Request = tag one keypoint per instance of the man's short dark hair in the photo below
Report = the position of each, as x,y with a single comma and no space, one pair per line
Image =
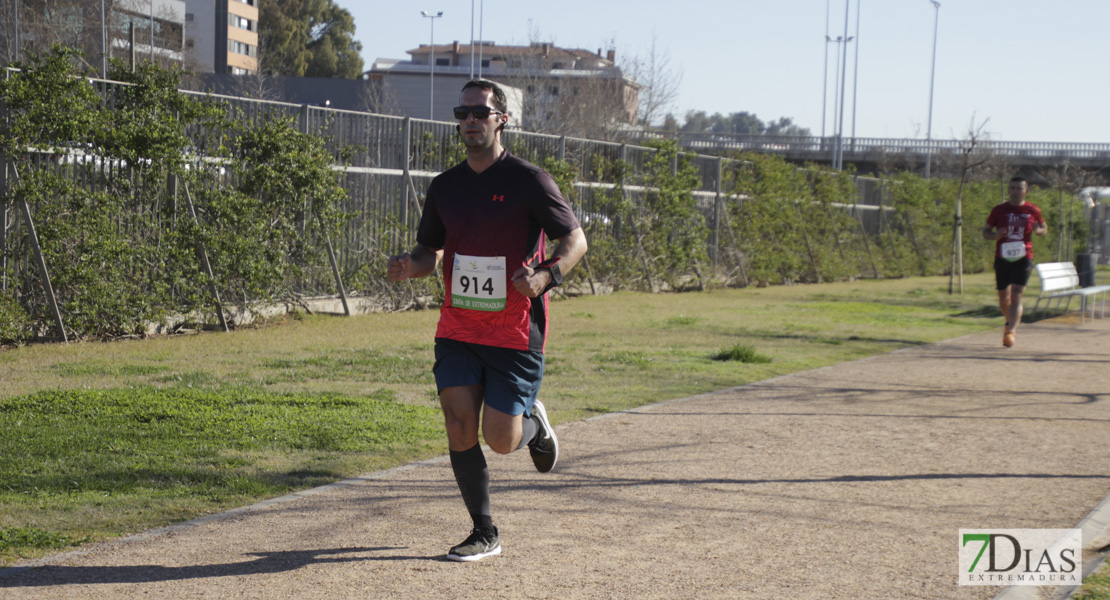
496,93
1019,179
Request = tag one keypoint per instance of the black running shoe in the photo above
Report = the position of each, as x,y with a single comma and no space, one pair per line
482,542
544,448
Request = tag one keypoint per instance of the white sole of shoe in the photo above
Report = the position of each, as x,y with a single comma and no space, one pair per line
474,557
547,429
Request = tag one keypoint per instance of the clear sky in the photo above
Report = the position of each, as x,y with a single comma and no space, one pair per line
1031,70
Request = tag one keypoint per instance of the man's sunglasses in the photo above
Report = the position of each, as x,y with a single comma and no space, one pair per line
479,112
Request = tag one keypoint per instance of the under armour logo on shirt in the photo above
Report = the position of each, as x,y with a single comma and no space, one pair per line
500,198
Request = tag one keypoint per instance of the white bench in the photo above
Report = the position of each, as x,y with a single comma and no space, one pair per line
1060,280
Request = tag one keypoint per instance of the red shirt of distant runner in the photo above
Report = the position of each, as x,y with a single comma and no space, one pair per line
506,210
1016,223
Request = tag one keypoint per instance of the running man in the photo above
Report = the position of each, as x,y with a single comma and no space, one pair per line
486,219
1012,225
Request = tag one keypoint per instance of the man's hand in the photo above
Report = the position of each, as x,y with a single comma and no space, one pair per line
530,282
400,267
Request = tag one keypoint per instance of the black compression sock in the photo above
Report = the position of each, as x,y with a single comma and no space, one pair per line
472,475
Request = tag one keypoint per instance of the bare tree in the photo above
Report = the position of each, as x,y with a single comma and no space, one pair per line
972,156
378,97
658,82
1068,181
43,23
575,93
94,28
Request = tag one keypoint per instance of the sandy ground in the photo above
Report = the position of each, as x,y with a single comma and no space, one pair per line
845,482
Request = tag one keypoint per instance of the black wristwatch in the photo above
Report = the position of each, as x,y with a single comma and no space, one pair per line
551,265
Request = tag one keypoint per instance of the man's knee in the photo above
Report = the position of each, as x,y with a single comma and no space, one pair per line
501,430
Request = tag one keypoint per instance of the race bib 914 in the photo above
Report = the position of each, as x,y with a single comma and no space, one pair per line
478,283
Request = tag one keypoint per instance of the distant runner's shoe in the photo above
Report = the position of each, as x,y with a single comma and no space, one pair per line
482,542
1009,337
545,447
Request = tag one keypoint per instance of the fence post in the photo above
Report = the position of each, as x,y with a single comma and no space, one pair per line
406,150
717,213
562,148
4,226
204,260
46,287
632,221
335,268
303,119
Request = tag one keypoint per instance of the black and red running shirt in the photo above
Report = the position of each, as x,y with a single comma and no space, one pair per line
1016,223
507,210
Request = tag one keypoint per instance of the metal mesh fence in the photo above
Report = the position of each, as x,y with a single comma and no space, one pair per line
387,163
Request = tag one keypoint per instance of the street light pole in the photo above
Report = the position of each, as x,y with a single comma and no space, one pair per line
932,77
481,22
825,81
836,100
103,43
855,78
432,63
472,39
843,85
15,4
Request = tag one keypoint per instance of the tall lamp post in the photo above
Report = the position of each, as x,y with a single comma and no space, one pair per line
432,63
15,28
932,76
843,81
825,81
103,43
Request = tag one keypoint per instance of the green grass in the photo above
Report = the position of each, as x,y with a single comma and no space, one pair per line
1096,586
744,353
104,439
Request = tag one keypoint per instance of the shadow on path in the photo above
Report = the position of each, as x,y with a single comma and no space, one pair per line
266,562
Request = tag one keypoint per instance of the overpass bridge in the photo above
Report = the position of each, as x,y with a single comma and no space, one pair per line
871,155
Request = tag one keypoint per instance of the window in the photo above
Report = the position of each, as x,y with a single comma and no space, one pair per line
443,62
189,17
241,48
241,22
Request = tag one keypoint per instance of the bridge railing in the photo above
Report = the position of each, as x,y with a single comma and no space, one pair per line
816,145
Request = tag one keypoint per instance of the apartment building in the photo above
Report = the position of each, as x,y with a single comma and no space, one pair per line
221,36
100,29
556,84
158,27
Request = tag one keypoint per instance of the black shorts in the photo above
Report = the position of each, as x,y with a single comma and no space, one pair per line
1008,273
510,378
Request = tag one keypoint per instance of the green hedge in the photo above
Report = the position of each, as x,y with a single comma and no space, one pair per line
114,218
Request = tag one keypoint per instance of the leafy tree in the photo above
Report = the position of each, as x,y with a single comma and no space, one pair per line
743,123
308,38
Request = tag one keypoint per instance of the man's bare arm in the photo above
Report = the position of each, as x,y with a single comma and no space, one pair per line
570,249
421,262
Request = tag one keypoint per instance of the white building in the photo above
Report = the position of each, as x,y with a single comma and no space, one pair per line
548,78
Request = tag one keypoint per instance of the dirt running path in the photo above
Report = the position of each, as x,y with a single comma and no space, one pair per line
844,482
